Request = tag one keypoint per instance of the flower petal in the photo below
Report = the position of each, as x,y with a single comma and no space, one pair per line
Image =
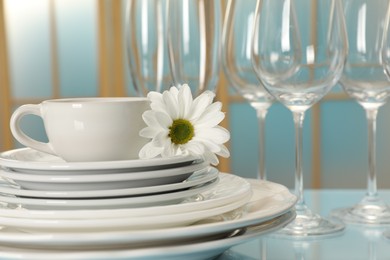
210,119
200,104
174,91
149,118
184,101
171,103
216,134
149,151
156,101
163,120
214,107
211,157
170,150
209,144
161,138
155,97
149,132
224,152
194,147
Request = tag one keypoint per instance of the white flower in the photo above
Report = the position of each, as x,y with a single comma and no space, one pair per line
177,125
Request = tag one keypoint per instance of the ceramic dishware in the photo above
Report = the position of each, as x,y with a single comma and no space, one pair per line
269,202
87,129
69,182
197,178
27,160
205,248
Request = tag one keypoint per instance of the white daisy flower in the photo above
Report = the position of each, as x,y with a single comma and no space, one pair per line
177,125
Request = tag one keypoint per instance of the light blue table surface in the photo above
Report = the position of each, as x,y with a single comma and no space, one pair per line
355,243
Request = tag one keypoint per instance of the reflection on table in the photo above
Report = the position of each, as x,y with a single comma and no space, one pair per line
356,242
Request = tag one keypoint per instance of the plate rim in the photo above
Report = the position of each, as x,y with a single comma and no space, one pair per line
169,220
208,174
6,161
121,201
109,177
209,247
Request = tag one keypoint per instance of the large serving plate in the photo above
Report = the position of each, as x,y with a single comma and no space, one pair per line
269,201
230,189
69,182
197,178
185,249
31,161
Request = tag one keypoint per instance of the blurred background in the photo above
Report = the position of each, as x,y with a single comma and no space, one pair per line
71,48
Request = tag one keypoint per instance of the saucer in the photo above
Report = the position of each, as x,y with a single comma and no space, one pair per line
109,181
28,160
197,178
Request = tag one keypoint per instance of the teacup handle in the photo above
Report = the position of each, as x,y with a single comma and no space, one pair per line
20,135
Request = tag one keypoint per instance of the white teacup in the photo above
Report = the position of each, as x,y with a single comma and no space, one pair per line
87,129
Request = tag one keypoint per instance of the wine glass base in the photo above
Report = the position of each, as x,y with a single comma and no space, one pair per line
386,234
370,211
310,225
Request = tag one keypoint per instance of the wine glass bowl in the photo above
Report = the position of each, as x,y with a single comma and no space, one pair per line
194,35
146,43
299,62
173,42
297,69
236,53
364,77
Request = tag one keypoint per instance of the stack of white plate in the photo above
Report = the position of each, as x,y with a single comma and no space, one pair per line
161,207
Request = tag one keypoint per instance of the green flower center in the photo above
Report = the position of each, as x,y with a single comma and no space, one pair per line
181,131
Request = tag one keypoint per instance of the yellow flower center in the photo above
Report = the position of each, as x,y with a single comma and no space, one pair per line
181,131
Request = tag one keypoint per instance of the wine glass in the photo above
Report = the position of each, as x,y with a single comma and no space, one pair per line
237,64
146,42
364,79
194,33
299,61
386,61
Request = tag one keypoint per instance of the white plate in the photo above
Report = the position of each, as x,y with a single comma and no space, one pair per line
109,203
229,189
269,200
156,221
101,181
197,178
32,161
178,250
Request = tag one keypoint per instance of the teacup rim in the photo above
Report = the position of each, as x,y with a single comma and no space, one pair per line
95,99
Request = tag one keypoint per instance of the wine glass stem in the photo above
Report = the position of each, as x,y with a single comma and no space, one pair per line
261,115
372,250
371,123
298,123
